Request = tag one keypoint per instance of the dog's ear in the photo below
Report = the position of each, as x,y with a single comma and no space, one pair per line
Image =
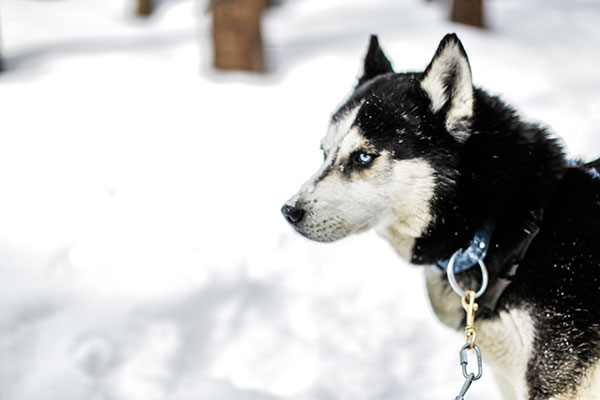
448,84
376,63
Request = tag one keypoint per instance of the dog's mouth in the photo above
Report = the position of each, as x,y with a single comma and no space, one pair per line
316,236
318,227
308,224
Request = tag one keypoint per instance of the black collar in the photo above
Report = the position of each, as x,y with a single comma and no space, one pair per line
502,264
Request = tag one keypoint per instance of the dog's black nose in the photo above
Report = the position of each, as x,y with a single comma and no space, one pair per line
292,214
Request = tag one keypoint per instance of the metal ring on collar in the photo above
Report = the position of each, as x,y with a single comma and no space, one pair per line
454,284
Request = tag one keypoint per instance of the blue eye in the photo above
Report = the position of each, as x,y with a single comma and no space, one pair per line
363,159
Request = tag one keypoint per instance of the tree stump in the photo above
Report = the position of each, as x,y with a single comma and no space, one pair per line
1,61
144,7
469,12
236,32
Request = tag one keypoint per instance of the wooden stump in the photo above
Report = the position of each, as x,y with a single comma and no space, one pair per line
1,61
469,12
144,7
237,38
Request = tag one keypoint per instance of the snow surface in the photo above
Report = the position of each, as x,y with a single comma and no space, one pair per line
142,253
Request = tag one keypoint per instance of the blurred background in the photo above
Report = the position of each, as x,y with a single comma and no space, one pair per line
146,148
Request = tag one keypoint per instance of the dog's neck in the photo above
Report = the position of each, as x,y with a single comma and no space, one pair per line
507,173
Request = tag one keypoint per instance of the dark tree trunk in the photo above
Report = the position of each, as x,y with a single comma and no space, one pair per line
469,12
1,60
144,7
237,38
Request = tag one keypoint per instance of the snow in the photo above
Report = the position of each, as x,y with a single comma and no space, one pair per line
142,252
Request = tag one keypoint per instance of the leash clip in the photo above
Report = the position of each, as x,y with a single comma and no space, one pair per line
470,307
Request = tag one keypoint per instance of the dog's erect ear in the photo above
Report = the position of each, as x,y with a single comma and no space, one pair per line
447,82
376,63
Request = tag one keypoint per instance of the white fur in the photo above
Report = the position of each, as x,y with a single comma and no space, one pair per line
507,343
411,214
591,384
395,193
389,194
588,388
336,134
338,130
441,296
403,244
434,84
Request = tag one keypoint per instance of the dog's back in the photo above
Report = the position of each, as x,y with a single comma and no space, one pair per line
559,282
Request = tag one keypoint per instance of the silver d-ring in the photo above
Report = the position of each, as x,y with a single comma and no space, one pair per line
454,284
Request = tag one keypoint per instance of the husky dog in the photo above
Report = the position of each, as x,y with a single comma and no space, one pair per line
428,161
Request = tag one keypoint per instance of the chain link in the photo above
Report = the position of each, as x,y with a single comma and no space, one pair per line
465,387
470,377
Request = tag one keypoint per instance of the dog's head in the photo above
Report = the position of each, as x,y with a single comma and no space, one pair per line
388,148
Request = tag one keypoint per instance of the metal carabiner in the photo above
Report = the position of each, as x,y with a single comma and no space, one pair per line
464,361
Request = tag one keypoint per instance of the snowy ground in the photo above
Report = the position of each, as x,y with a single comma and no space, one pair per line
142,253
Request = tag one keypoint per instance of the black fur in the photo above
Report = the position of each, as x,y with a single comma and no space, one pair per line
513,173
376,63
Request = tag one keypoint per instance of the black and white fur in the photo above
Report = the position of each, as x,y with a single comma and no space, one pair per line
427,159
